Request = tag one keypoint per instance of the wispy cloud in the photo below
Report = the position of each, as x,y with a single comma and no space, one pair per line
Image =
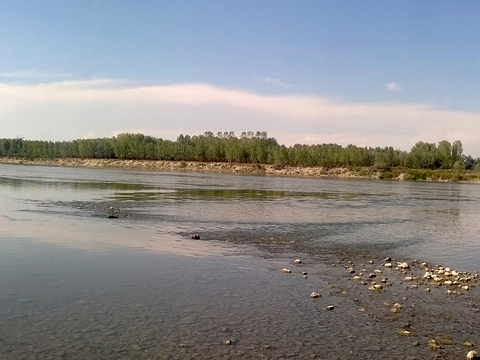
34,74
277,82
71,109
393,86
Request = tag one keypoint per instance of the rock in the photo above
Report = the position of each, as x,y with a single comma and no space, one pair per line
397,305
304,277
330,307
286,271
357,277
314,295
416,343
433,344
378,271
408,278
404,265
388,265
228,342
405,333
388,258
370,261
413,287
465,287
395,310
468,343
195,236
427,290
372,275
472,355
448,283
224,329
297,261
378,286
304,273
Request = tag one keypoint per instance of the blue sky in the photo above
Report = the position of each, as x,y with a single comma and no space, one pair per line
361,58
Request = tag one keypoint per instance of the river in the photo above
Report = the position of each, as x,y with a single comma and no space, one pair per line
76,284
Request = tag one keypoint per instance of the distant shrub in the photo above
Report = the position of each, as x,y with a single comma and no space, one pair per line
458,165
386,175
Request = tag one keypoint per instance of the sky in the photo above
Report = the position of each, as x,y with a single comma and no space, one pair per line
369,73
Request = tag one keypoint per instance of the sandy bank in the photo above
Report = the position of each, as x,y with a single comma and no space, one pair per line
239,168
208,167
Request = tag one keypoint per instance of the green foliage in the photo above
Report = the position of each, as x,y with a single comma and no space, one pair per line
250,147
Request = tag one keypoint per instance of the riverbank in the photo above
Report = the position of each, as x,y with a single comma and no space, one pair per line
261,169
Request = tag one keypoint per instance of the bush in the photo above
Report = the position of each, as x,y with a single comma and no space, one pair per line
458,165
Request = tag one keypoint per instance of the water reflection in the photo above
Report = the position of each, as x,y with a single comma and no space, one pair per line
438,222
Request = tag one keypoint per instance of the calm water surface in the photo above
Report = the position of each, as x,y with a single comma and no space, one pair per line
75,284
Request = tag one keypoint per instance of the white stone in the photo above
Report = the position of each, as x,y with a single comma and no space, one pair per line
472,355
286,271
314,295
297,261
389,265
408,278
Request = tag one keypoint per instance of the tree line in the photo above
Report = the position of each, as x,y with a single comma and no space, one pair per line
250,147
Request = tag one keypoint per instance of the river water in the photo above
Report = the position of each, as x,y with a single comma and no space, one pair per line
75,284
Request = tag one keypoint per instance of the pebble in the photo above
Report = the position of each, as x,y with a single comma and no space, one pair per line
314,295
468,343
330,307
472,355
389,265
286,271
297,261
433,344
228,342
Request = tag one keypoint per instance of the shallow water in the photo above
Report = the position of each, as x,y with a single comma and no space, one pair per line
75,284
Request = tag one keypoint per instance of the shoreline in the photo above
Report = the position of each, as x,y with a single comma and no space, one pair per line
258,169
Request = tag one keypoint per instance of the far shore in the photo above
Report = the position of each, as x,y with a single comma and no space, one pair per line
260,169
